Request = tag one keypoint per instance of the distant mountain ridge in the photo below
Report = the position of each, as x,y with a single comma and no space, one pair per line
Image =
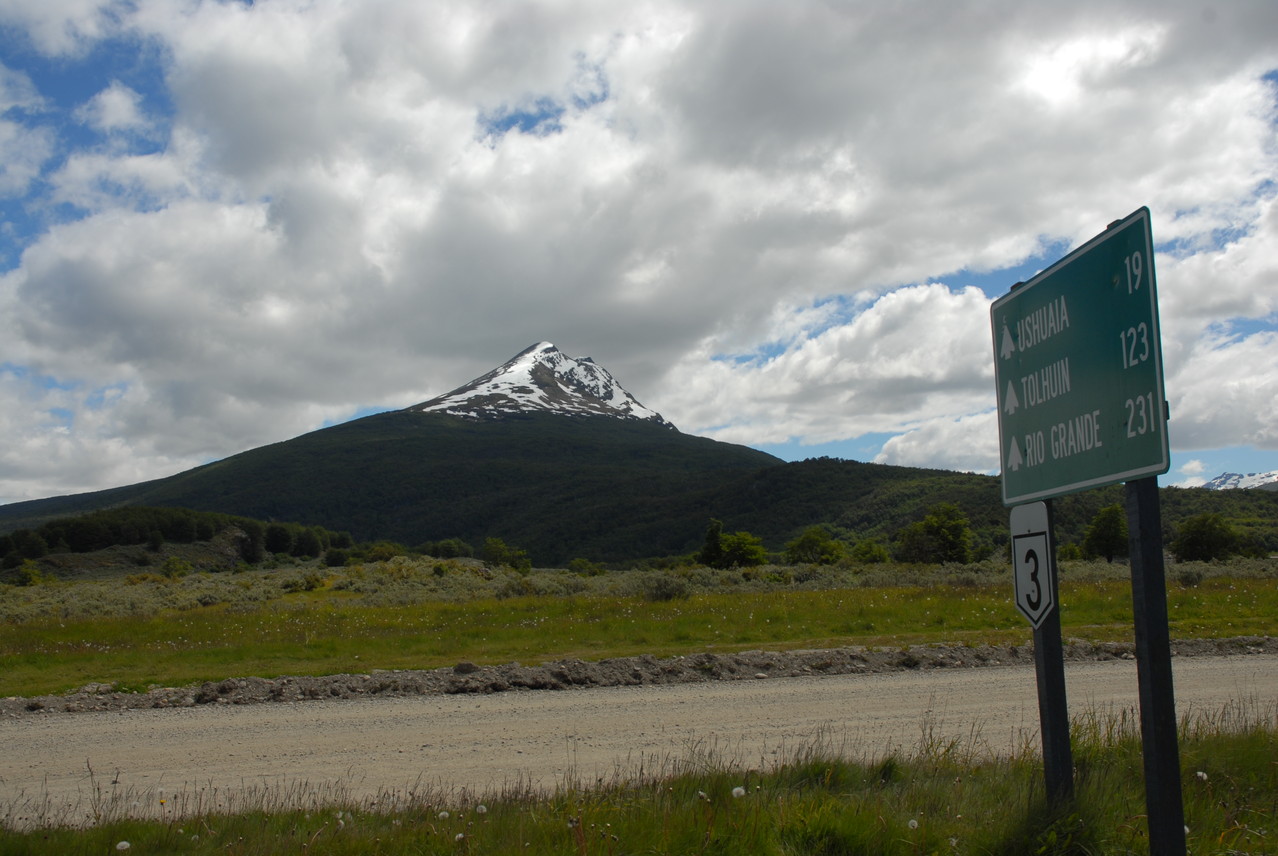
542,378
552,455
1237,481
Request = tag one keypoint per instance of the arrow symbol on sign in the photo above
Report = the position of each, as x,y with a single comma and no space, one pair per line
1008,347
1010,401
1014,459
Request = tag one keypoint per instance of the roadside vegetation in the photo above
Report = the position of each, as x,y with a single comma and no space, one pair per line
938,797
302,617
168,598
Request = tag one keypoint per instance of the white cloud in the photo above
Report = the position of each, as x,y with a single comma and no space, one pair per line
755,215
59,27
116,108
22,153
967,443
1226,392
912,355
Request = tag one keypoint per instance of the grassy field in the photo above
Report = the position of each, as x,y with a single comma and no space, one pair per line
941,798
415,614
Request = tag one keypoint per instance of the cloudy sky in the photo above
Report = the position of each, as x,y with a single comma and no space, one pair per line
779,224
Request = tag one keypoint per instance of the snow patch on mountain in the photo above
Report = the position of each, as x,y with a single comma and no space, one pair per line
1232,481
542,379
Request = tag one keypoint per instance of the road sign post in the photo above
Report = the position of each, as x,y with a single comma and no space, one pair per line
1078,370
1034,561
1160,751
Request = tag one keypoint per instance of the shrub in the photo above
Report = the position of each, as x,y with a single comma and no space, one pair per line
869,552
665,587
175,567
585,567
498,552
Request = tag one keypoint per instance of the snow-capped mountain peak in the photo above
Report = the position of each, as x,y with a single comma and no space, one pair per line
1229,481
542,379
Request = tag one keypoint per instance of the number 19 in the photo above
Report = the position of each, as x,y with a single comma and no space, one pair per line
1134,267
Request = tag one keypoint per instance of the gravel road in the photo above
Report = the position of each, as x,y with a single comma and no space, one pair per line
55,767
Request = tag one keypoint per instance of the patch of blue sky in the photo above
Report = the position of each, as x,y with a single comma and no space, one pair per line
543,115
1241,328
594,87
64,86
540,118
760,355
35,379
104,396
862,448
995,283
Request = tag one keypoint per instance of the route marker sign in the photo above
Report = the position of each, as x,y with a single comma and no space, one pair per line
1033,562
1079,370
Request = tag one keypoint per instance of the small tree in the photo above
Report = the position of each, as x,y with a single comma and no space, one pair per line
814,547
307,544
452,548
252,543
869,552
279,538
497,552
1107,534
711,554
743,550
944,535
1204,537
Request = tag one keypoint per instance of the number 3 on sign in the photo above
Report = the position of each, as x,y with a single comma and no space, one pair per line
1033,599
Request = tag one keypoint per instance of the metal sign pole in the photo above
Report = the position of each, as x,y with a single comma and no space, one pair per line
1037,597
1053,711
1163,800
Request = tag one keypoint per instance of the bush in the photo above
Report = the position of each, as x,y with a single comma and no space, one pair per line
585,567
664,587
869,552
30,574
497,552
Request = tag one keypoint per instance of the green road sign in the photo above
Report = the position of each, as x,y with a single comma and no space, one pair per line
1079,370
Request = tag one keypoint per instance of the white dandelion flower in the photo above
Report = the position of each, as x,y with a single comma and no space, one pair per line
123,845
1202,777
913,824
738,791
459,836
443,815
481,809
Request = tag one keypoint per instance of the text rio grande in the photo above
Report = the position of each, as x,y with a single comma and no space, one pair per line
1065,439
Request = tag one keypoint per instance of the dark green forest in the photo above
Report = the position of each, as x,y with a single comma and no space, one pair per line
563,488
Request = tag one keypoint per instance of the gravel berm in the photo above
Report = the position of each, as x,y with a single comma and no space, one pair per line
466,677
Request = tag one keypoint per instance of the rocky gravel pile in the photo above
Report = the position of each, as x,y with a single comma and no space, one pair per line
568,674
